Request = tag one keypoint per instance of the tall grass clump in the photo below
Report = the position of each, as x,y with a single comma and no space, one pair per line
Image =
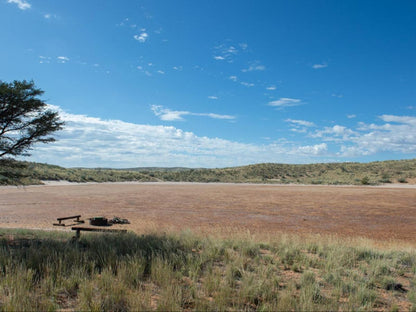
50,271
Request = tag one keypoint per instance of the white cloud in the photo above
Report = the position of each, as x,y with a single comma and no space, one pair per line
142,37
351,116
170,115
397,134
62,59
233,78
49,16
213,97
247,84
336,133
243,46
44,59
254,66
271,88
285,102
231,50
410,120
318,66
227,51
318,149
21,4
215,116
161,72
303,123
93,142
167,114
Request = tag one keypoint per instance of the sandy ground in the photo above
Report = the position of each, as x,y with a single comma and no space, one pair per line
381,213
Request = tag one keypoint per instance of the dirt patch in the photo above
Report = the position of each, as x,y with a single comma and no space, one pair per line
382,213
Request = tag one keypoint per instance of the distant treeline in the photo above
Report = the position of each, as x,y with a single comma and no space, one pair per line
395,171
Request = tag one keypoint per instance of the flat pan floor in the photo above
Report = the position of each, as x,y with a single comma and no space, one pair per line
375,212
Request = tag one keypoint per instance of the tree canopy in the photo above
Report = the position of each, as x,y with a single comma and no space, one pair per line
24,118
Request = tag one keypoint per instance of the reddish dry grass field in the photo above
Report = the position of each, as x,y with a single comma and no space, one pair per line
380,213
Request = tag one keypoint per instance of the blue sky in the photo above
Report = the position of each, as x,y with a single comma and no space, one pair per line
218,83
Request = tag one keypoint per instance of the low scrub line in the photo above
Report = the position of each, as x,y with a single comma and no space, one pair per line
401,171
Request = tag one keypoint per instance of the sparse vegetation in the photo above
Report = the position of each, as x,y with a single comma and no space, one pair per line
402,171
49,271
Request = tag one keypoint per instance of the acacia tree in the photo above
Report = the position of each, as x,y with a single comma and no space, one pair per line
24,118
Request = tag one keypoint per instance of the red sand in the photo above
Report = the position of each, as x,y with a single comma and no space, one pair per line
381,213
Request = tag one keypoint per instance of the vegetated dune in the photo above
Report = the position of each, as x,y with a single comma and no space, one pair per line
374,173
380,213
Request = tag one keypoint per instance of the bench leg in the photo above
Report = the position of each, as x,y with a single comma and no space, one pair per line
78,234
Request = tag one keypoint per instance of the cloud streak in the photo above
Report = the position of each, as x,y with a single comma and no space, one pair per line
62,59
319,66
254,66
285,102
303,123
172,115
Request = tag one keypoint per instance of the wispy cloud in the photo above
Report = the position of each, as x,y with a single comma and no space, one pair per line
228,50
303,123
243,46
167,114
142,37
300,126
21,4
233,78
49,16
213,97
62,59
254,66
247,84
271,88
285,102
44,59
319,66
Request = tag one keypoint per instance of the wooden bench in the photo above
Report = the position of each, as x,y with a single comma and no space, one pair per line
89,229
67,218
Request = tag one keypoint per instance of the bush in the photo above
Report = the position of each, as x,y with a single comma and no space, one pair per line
365,181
